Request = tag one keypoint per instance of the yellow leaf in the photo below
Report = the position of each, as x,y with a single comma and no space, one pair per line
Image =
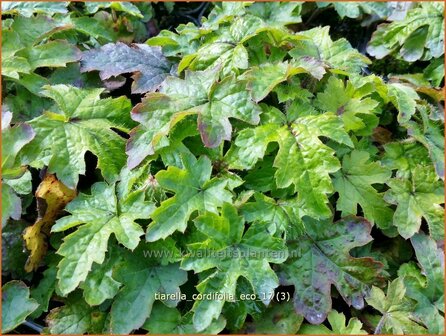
52,196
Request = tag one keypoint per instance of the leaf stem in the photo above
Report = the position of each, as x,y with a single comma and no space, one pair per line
380,325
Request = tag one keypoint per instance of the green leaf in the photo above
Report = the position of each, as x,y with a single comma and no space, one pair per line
12,66
303,160
194,191
420,35
75,317
396,309
417,197
320,258
108,209
226,51
93,27
357,9
413,47
126,7
277,319
29,31
13,254
435,72
277,13
224,12
431,135
142,279
52,54
22,53
79,122
148,64
185,42
199,93
16,305
21,185
43,292
404,98
229,29
280,216
238,312
425,285
230,254
263,79
166,320
356,109
99,284
29,8
405,156
338,326
11,204
338,54
13,140
354,183
15,177
11,191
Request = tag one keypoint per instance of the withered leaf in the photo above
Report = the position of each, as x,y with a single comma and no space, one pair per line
52,196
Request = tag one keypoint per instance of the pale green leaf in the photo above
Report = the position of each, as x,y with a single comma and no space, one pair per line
404,98
99,284
338,326
396,309
277,13
417,197
280,216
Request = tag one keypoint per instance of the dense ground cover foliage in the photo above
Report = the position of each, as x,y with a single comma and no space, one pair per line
222,168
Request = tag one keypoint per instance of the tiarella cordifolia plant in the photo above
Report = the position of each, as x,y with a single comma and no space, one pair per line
254,174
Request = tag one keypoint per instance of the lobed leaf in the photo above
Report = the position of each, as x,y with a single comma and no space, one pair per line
16,305
79,122
396,309
419,35
148,64
105,211
320,258
231,254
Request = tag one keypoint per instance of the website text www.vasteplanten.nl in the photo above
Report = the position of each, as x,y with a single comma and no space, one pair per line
227,253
